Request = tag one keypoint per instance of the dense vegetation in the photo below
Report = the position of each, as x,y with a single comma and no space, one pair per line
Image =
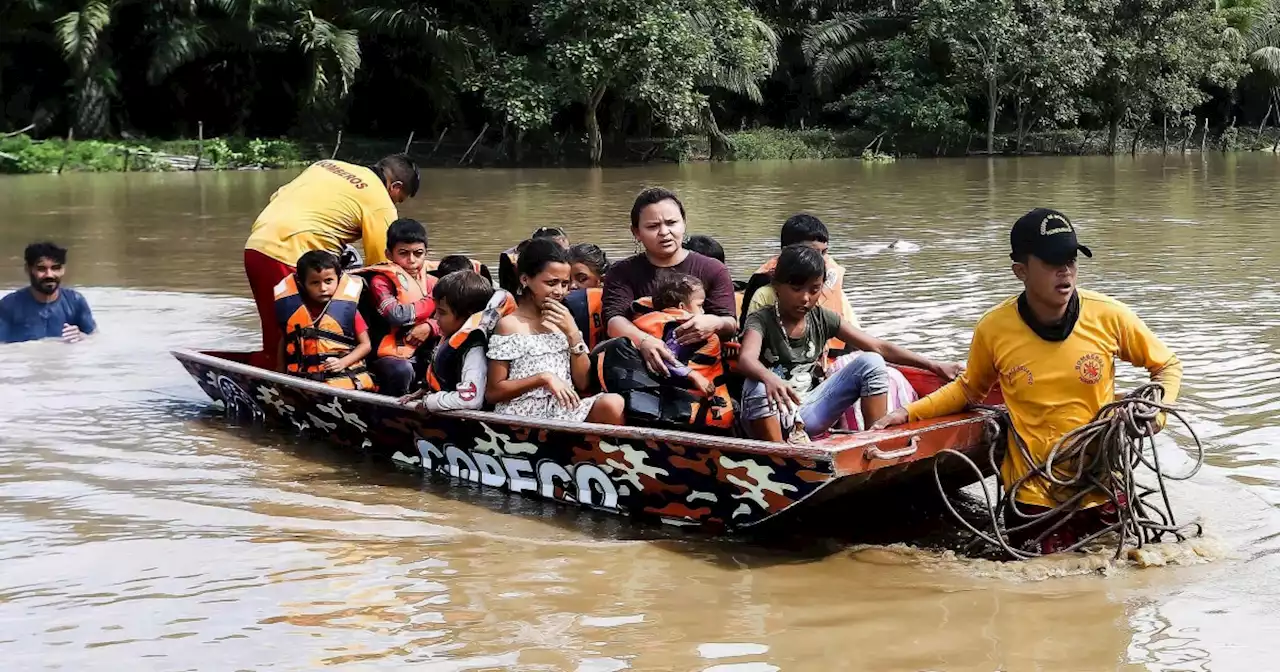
914,76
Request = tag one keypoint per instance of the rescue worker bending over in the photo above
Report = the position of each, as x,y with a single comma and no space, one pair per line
317,310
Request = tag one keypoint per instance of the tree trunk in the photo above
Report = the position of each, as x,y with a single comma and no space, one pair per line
1137,134
993,109
720,147
1113,133
1164,139
594,142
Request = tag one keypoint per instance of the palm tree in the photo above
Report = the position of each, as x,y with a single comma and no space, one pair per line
80,36
1262,46
736,76
836,47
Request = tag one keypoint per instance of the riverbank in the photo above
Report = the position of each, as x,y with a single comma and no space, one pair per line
24,154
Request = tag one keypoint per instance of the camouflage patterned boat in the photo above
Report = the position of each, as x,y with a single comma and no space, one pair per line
679,478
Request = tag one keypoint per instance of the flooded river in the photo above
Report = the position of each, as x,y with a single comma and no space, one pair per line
139,530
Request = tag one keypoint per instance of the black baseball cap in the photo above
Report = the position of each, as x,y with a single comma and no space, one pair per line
1046,234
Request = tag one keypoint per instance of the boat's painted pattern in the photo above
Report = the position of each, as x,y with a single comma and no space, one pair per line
678,482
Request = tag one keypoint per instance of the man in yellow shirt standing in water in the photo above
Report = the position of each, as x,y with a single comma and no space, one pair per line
1052,349
331,204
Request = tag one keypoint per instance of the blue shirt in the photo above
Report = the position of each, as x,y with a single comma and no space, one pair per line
23,318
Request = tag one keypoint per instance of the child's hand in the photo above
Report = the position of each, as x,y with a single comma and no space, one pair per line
556,316
705,385
333,364
410,398
419,334
948,370
897,417
780,393
562,391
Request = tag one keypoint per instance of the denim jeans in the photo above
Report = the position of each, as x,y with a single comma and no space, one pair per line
866,376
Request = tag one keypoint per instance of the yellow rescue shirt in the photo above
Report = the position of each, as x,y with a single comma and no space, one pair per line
331,204
1051,388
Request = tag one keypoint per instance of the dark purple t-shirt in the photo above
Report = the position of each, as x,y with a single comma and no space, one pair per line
635,277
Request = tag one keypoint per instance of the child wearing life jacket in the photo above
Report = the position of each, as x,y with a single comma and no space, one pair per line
681,296
325,338
402,307
588,265
783,351
458,262
467,309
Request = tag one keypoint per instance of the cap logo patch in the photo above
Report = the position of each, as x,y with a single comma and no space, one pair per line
1061,225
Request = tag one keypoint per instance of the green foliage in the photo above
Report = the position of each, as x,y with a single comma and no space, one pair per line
516,90
31,156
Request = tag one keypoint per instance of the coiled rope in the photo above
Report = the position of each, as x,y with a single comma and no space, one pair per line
1098,458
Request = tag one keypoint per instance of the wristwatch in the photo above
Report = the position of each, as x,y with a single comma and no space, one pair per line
579,348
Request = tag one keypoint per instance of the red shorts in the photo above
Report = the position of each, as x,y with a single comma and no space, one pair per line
264,274
1083,524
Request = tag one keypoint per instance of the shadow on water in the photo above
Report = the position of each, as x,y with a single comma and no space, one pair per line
912,515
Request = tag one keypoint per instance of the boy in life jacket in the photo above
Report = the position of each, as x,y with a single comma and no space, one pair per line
467,310
401,307
783,350
325,338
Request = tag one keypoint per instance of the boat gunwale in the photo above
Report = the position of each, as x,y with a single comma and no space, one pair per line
823,450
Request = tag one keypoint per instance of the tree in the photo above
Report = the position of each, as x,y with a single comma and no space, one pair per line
1062,58
80,36
744,51
1155,56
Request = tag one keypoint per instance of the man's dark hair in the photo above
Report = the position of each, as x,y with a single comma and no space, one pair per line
650,196
592,256
42,250
799,264
399,168
318,261
452,264
803,228
466,292
706,246
674,289
405,230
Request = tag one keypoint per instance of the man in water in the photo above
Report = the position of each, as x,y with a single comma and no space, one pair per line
331,204
46,309
1052,350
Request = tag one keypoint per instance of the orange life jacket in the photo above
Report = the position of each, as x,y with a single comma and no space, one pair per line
832,297
708,361
308,342
408,291
587,307
445,370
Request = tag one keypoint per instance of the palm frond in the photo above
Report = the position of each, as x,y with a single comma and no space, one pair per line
835,48
1266,61
179,45
334,54
454,46
78,32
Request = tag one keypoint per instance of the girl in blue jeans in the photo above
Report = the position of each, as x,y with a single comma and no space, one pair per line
784,347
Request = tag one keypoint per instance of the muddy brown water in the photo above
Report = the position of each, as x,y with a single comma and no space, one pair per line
141,530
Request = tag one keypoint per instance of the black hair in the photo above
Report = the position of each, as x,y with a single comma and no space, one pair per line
674,289
550,232
539,252
318,261
466,292
804,228
706,246
44,250
405,230
650,196
399,168
452,264
799,264
592,256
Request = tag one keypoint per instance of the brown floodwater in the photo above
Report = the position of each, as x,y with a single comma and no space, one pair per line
139,529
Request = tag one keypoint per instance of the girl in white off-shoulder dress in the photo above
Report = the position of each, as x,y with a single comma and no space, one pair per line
538,361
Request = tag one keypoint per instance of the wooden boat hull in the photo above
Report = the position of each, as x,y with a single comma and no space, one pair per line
680,478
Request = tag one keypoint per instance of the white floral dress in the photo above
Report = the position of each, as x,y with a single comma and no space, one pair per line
530,355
